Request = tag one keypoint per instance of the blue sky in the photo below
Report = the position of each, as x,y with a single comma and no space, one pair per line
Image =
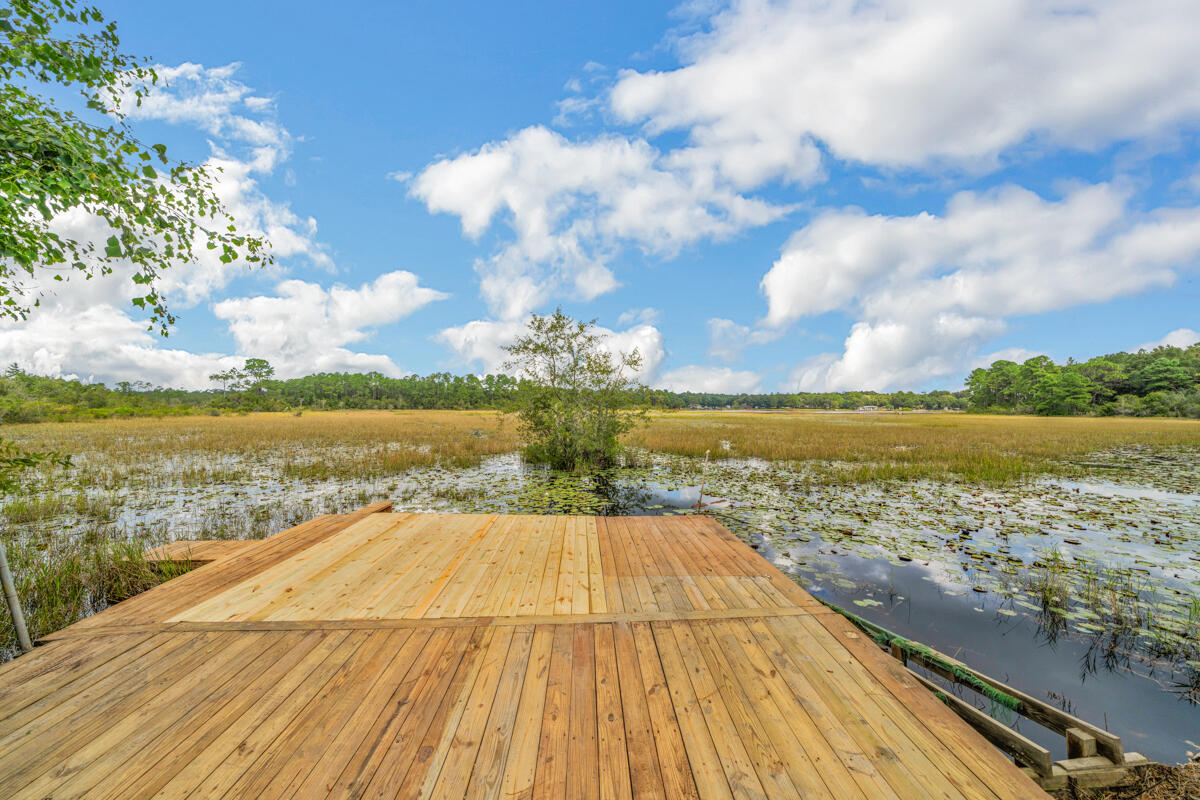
759,196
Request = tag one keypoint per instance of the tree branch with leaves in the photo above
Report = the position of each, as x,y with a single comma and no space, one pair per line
57,159
158,212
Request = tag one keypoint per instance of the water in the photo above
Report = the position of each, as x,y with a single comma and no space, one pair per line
1088,676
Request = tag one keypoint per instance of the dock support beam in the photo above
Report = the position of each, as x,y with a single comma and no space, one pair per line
14,605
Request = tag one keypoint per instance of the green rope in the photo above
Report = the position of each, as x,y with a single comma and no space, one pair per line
961,673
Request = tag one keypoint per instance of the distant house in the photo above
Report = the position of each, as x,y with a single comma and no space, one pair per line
868,408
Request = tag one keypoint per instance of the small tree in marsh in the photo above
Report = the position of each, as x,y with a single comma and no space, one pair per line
575,398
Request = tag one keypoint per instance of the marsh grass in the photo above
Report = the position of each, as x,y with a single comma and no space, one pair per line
861,448
63,579
315,446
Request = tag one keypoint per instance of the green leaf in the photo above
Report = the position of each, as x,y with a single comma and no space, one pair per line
112,248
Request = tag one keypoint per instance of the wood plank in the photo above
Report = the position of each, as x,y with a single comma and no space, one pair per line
431,586
60,725
932,766
931,762
348,579
613,753
169,598
658,645
288,584
408,750
251,729
394,728
583,770
537,565
597,592
780,759
231,757
57,671
642,597
642,740
167,752
679,565
453,761
1002,777
550,780
735,756
504,590
423,772
581,599
185,551
851,765
470,582
497,741
521,767
612,582
292,754
446,543
69,771
389,579
1025,751
564,593
341,743
156,773
548,593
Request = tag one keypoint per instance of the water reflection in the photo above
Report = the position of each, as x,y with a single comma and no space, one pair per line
1106,676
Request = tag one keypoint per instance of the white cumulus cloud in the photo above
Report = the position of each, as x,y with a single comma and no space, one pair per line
1180,337
87,328
303,328
727,339
928,290
480,343
722,380
100,342
571,205
917,83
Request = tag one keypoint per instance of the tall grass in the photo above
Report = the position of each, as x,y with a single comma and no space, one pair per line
63,579
315,446
857,448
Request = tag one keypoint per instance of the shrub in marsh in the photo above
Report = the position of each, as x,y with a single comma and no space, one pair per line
576,397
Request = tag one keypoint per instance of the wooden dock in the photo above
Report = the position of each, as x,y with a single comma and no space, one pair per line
451,656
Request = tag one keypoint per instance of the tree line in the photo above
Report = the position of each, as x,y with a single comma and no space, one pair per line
1163,382
25,397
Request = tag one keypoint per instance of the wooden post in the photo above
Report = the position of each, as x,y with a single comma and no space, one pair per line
14,605
1080,743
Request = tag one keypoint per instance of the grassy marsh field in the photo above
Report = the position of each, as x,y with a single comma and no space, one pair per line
1066,550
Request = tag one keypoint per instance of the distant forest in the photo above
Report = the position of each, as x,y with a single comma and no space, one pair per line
1164,382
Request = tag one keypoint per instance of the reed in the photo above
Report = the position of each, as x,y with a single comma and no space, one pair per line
858,448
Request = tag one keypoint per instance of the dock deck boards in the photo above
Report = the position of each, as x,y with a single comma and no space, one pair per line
195,553
451,656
